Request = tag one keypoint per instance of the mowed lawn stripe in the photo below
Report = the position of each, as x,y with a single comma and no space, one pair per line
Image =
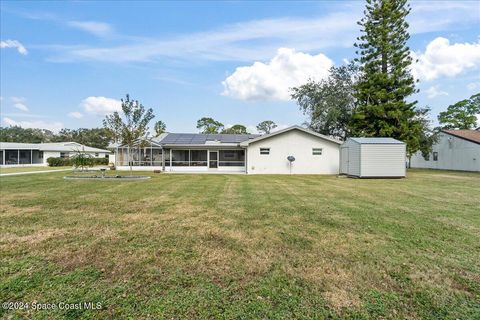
244,246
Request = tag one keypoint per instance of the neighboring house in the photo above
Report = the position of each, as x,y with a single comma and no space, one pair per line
373,157
24,154
455,150
247,153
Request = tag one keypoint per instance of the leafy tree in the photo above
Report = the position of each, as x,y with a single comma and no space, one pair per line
208,125
160,127
423,137
132,125
94,137
461,115
236,129
329,103
25,135
266,126
385,81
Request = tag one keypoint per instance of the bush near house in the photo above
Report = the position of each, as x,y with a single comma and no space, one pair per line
62,162
58,162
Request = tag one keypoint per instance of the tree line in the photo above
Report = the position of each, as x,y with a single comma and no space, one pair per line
370,96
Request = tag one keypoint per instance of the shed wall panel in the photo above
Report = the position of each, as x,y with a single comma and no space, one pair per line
382,160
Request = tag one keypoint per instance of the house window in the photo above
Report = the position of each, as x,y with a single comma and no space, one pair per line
96,154
427,157
435,156
317,151
40,155
264,150
63,155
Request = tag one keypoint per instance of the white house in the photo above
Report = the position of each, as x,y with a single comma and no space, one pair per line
36,154
313,152
455,150
373,158
245,153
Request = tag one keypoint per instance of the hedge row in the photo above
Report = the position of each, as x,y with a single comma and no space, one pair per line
65,162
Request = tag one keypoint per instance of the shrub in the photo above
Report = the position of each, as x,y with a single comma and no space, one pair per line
100,161
77,161
58,162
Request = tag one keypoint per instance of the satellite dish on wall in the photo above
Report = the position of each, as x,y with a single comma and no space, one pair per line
290,160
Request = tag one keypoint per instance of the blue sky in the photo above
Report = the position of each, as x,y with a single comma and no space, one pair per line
66,64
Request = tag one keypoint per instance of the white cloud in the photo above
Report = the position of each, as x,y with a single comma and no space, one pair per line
243,41
272,80
20,103
75,114
473,86
444,59
21,106
259,39
101,105
14,44
99,29
434,92
53,126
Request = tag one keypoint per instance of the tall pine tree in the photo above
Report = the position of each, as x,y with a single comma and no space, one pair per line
385,80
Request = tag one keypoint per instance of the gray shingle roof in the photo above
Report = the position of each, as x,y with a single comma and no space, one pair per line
199,138
381,140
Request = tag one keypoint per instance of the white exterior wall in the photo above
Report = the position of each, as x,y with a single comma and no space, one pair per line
350,158
50,154
453,154
111,158
293,143
382,160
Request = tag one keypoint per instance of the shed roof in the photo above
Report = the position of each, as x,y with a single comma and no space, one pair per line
376,140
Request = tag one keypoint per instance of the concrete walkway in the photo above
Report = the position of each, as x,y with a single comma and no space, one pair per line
31,172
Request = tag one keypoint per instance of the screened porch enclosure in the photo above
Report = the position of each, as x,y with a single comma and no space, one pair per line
210,158
139,156
20,156
152,155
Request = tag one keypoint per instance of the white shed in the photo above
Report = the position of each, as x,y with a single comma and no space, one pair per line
373,157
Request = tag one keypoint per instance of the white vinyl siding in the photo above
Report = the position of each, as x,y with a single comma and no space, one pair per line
453,153
372,159
350,158
382,160
294,143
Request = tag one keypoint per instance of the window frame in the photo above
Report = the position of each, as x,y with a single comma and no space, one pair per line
317,151
435,156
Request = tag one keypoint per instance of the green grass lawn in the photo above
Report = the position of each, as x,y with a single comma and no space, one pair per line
243,246
30,169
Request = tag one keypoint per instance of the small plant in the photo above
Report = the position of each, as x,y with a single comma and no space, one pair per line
82,160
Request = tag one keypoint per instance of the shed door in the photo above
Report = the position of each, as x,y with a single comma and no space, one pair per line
344,161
